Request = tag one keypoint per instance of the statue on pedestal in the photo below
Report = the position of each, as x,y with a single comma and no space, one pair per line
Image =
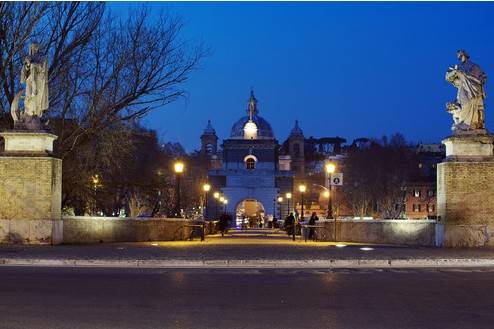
468,108
34,75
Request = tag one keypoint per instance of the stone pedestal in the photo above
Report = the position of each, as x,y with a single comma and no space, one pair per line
30,189
465,191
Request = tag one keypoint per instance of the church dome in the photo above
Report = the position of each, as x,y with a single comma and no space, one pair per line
264,129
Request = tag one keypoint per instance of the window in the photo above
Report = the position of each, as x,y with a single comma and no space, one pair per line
416,193
430,208
430,192
420,165
250,164
416,208
209,148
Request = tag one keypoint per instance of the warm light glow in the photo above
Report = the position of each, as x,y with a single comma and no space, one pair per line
154,244
222,199
366,248
95,179
216,195
326,194
179,167
330,167
341,245
225,201
280,199
206,187
288,195
302,188
250,130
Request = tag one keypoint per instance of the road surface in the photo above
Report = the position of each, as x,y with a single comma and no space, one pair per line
126,298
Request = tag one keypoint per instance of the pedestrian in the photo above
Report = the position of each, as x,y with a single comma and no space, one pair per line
290,223
224,223
312,221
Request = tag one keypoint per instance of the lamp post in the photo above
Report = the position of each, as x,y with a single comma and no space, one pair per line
280,201
179,169
288,197
225,202
330,169
216,196
302,188
206,188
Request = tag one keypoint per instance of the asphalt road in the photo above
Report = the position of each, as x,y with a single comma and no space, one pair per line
115,298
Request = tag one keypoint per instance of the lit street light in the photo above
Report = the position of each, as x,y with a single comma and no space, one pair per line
302,188
280,201
288,197
179,169
206,188
330,169
216,196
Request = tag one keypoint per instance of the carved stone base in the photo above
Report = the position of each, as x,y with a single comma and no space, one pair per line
26,142
470,146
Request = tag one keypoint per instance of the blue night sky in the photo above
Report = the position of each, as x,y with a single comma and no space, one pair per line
346,69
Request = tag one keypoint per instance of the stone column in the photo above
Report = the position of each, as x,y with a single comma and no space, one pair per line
465,191
30,189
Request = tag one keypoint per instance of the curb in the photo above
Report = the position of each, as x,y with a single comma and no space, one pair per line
252,263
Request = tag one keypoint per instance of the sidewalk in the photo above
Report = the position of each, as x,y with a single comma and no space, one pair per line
242,250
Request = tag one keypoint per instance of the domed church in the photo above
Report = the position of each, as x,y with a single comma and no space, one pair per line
250,173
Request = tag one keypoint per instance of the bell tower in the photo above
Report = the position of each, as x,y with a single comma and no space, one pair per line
209,141
296,142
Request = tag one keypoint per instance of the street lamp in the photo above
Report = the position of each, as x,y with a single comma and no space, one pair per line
288,197
216,196
179,169
302,188
330,169
280,201
206,188
225,202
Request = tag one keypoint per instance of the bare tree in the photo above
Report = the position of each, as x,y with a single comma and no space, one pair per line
105,74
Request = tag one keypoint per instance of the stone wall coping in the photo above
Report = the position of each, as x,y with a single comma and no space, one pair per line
139,219
370,221
27,133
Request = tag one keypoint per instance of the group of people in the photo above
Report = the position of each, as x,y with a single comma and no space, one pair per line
291,222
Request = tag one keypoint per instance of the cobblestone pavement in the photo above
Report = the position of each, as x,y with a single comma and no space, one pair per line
244,245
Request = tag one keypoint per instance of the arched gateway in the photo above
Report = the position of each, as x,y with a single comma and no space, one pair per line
250,213
249,175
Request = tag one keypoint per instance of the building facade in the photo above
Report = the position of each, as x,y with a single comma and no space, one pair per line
250,177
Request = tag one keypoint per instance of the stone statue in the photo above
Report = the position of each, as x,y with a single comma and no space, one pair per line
34,75
468,108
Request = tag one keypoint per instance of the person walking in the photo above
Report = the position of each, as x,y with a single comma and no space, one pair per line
290,223
312,221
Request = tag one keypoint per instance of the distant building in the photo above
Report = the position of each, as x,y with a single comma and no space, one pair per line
252,174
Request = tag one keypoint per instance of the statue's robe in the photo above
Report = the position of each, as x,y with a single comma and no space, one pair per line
469,79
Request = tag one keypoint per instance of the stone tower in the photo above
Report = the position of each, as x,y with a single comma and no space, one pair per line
296,149
209,141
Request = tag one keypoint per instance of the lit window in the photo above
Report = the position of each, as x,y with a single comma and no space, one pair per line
430,208
250,164
416,208
416,193
420,165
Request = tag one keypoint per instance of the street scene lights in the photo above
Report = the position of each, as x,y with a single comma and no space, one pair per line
280,202
216,196
179,169
330,169
302,188
288,197
225,202
206,188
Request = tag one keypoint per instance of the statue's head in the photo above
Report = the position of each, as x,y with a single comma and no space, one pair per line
462,55
33,48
